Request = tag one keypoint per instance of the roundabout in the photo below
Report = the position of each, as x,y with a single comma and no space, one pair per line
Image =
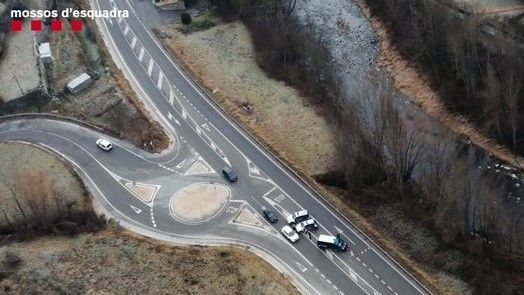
199,202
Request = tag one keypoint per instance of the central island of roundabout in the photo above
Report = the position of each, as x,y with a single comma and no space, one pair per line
199,202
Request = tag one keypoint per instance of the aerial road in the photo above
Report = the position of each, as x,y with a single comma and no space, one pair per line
144,192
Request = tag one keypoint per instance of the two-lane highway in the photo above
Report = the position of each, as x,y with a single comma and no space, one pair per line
375,272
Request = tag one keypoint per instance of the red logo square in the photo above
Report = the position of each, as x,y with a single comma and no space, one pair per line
56,25
76,25
16,25
36,25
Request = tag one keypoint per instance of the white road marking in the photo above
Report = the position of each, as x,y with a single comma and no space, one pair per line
137,210
126,30
353,276
342,233
160,80
141,55
150,67
302,268
133,43
171,97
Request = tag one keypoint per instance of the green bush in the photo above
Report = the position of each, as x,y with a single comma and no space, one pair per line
203,24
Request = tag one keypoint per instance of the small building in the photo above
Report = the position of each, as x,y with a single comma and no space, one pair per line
44,52
80,83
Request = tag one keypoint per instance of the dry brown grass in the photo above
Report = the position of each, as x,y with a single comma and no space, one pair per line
114,262
335,199
416,86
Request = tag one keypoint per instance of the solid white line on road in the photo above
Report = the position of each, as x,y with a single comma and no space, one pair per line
160,80
141,55
150,67
133,43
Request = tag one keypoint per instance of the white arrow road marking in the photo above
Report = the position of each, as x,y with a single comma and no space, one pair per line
137,210
302,268
180,164
276,206
205,126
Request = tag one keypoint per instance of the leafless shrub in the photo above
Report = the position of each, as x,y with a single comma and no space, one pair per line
36,189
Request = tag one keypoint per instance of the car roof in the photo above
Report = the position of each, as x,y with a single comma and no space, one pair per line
287,229
104,141
301,213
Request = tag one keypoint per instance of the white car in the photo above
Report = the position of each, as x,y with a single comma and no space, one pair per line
104,144
297,217
290,234
309,224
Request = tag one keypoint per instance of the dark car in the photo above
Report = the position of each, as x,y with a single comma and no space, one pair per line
229,174
270,216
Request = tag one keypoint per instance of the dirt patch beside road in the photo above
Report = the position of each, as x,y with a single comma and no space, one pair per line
113,263
17,160
224,59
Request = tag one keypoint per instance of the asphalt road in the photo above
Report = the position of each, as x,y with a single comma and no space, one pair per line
203,136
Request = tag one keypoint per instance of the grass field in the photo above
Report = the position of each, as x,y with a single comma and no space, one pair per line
224,59
111,263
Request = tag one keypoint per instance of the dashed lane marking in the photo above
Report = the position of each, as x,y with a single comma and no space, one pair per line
141,55
160,80
133,43
150,67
